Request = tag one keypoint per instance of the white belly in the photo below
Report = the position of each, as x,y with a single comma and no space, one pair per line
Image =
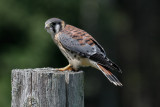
75,60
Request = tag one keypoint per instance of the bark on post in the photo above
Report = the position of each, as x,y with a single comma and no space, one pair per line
46,87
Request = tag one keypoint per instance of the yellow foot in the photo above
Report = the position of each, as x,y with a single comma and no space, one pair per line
67,68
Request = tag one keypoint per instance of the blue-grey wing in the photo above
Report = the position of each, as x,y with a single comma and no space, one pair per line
74,45
91,50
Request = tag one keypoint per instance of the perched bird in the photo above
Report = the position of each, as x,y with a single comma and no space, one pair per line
80,48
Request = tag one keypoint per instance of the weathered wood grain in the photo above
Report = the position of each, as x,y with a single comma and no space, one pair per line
46,87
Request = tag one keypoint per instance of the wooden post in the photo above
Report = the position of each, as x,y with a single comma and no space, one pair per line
46,87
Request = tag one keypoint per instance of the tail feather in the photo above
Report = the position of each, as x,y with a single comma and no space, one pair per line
110,76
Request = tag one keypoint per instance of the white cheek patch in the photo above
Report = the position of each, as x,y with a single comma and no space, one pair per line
50,31
57,27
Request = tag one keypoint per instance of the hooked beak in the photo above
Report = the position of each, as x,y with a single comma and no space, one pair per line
47,26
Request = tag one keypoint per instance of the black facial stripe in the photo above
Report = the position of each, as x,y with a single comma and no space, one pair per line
60,24
53,26
54,30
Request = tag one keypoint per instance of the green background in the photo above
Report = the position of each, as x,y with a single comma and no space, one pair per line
127,29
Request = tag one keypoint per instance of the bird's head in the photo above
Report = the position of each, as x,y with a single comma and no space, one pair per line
54,25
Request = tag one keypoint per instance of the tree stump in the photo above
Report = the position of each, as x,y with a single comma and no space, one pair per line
46,87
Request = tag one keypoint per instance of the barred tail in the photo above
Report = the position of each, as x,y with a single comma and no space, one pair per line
110,76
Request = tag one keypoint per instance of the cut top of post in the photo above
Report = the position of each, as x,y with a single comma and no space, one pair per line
47,87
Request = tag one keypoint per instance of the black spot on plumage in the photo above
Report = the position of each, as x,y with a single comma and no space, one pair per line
87,40
71,52
79,39
82,44
79,33
91,43
83,34
74,36
75,55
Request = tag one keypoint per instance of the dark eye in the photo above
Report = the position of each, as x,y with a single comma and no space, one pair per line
53,24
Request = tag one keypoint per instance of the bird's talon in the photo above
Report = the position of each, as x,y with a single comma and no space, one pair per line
67,68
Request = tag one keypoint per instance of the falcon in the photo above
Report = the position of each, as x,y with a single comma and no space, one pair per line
80,49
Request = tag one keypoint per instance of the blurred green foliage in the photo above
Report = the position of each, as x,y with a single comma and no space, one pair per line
128,30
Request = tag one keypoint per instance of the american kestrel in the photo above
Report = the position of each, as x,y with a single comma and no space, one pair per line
80,49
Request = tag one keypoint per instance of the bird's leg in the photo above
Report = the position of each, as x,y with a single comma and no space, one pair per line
67,68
